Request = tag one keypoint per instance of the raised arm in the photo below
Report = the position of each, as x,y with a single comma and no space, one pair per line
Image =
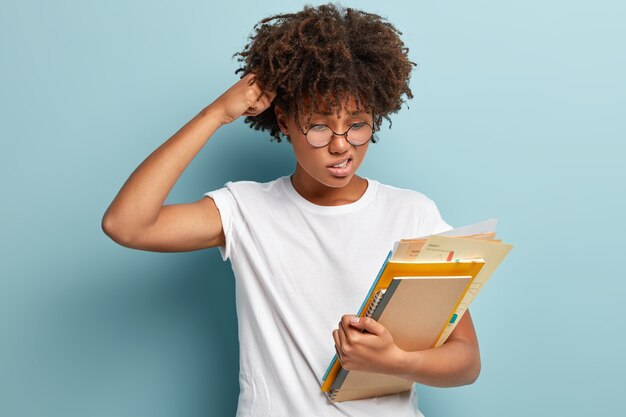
137,217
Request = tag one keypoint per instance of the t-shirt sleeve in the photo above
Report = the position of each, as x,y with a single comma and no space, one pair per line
433,219
227,207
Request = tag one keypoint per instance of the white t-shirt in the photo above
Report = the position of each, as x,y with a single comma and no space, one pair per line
298,268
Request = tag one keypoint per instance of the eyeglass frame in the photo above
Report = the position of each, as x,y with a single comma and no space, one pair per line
344,134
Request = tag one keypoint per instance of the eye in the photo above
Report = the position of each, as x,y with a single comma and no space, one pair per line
358,126
319,128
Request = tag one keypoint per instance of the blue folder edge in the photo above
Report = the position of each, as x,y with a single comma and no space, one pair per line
382,268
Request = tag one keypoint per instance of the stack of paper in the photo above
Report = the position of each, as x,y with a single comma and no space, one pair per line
422,290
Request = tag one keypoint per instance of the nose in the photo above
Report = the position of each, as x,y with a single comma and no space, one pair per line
339,143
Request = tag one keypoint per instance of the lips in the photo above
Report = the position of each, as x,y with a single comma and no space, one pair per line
342,169
339,162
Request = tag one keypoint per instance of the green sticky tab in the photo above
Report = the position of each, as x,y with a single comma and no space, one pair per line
453,319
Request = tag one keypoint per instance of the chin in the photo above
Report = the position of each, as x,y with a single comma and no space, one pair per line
338,182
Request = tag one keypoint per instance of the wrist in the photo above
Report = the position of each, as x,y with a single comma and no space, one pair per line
406,364
214,115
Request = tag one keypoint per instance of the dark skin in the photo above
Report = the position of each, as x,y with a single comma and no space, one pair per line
138,219
457,361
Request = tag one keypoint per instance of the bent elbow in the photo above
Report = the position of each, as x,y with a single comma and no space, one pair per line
473,372
107,225
474,376
111,229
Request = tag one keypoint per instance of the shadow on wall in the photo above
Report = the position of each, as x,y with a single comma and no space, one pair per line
155,334
239,154
99,329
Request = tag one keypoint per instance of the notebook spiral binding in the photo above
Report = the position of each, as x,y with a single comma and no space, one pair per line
375,301
370,310
332,394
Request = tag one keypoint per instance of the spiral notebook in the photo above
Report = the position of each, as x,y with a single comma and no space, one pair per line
421,279
426,303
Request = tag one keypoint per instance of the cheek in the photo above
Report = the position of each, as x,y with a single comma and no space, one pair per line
302,152
362,151
298,150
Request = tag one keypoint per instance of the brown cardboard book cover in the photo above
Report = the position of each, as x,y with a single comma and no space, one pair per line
415,310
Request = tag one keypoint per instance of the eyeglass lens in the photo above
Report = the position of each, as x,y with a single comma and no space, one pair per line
357,134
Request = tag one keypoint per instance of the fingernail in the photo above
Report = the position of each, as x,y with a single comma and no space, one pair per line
354,319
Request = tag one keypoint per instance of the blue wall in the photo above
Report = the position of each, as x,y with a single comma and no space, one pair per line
518,114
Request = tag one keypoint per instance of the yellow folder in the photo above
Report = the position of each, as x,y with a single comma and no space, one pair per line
414,310
440,286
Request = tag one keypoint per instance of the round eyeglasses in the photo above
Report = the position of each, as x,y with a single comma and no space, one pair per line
320,135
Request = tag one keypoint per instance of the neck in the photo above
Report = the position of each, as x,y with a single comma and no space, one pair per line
324,195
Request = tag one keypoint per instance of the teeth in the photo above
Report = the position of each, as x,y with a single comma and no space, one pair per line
345,164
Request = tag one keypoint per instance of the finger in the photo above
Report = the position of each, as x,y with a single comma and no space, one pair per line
265,101
253,93
347,332
338,354
260,105
271,95
266,97
251,78
342,336
254,112
337,342
250,112
247,79
351,331
368,324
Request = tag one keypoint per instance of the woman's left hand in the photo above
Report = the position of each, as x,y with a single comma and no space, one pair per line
372,351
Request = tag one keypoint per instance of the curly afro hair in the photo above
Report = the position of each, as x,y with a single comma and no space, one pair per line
322,54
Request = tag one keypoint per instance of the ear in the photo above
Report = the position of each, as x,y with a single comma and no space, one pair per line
281,117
